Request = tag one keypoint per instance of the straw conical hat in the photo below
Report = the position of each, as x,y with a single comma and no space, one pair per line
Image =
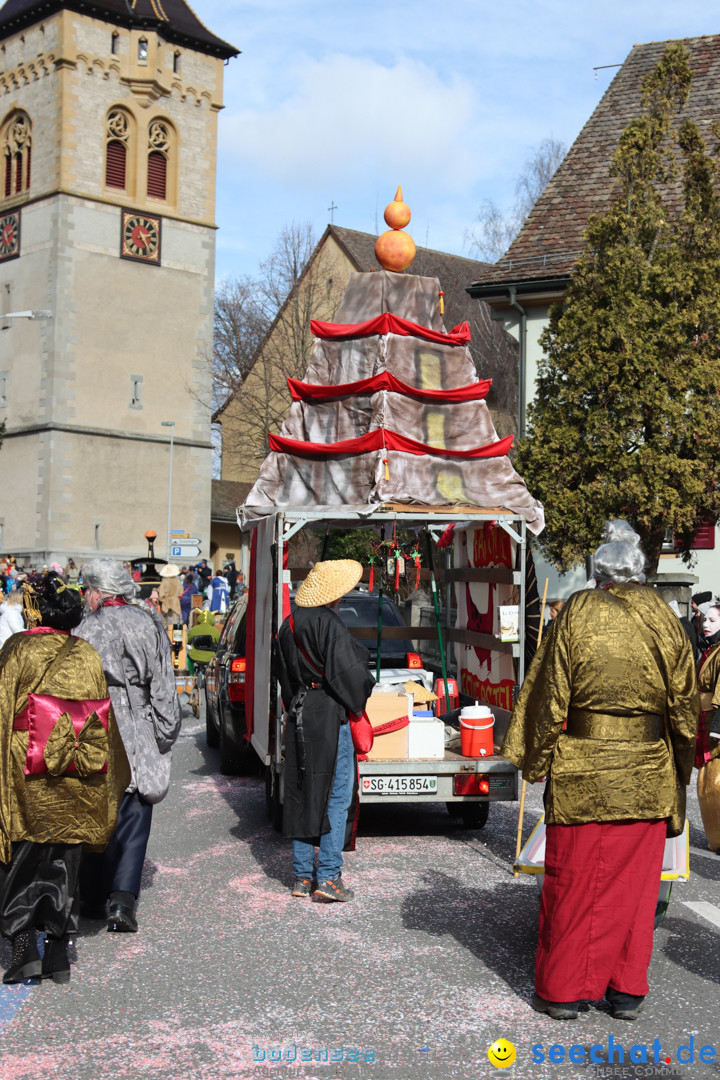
328,581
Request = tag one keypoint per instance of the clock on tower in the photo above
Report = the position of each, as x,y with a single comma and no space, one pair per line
9,236
140,237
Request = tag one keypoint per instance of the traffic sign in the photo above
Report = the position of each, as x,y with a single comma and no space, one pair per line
184,551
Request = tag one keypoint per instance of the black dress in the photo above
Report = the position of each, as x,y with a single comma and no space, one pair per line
344,687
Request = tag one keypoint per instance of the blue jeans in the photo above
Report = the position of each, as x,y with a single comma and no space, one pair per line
330,858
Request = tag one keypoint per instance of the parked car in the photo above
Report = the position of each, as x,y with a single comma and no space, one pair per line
225,725
398,659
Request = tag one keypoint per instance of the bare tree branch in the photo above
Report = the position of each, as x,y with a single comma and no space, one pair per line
494,230
287,299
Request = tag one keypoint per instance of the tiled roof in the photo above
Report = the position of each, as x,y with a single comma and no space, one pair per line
225,498
174,19
551,238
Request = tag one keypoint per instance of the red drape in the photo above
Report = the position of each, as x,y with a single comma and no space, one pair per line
389,324
379,439
302,391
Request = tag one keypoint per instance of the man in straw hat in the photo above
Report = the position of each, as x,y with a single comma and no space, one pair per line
325,677
619,667
136,657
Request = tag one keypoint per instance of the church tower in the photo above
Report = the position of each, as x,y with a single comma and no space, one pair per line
108,147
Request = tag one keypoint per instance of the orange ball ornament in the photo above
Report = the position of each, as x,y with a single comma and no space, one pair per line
397,213
395,250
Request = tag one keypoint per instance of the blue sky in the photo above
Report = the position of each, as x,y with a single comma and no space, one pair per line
340,103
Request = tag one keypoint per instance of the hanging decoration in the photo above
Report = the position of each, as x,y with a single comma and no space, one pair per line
371,581
395,559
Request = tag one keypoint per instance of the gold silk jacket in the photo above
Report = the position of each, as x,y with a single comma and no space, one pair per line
62,809
633,702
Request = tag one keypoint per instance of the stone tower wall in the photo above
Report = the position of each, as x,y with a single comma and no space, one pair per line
89,467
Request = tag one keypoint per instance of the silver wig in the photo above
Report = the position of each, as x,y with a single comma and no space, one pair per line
620,558
109,576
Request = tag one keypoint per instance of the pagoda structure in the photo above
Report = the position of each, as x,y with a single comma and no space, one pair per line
390,409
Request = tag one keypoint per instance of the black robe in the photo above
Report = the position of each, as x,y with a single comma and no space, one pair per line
345,687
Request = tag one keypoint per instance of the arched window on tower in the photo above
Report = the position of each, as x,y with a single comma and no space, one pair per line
117,146
160,147
17,150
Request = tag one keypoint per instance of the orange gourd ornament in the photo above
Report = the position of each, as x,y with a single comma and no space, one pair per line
395,250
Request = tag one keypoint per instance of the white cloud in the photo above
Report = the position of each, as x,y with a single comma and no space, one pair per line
347,119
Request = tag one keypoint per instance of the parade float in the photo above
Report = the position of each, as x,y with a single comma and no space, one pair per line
389,430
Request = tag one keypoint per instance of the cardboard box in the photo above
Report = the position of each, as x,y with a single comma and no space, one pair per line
426,737
381,709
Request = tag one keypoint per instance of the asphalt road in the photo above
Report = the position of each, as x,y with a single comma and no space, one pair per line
413,980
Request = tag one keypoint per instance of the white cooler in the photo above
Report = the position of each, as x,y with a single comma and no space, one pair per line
426,736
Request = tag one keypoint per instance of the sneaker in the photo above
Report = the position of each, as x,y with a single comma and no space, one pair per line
624,1006
557,1010
302,887
333,890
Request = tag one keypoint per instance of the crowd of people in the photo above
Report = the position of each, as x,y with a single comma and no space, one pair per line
173,599
180,585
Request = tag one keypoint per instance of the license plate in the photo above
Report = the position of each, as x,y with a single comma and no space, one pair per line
398,785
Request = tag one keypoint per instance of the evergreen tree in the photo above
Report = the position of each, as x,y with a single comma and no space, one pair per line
626,421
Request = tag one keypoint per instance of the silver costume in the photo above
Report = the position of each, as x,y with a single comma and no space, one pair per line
137,660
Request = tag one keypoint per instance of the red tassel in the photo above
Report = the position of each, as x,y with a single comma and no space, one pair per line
397,573
417,573
372,579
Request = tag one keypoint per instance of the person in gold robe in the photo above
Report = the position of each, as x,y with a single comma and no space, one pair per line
619,668
47,817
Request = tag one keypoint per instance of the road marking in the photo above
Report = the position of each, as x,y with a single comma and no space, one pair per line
11,998
705,853
704,909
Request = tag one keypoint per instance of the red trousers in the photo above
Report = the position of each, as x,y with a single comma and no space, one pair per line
598,908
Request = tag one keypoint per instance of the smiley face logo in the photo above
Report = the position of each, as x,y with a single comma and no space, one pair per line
501,1054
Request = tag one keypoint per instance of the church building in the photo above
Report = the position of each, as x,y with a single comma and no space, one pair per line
108,143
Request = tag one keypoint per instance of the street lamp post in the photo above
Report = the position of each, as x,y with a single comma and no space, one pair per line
171,425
